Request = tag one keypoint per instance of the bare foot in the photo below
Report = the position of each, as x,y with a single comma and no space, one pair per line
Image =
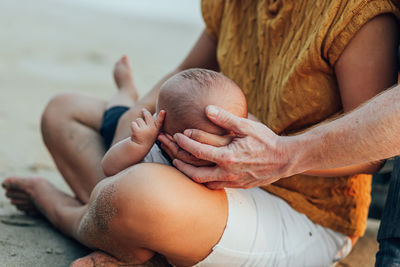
36,195
124,79
98,258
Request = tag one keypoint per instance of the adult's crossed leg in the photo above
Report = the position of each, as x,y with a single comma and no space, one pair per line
70,125
153,208
145,209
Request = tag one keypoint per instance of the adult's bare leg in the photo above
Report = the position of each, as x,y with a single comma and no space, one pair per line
145,209
70,125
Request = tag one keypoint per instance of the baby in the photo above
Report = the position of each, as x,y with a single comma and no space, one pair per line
181,105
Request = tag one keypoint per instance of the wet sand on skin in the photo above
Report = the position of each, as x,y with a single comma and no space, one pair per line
49,47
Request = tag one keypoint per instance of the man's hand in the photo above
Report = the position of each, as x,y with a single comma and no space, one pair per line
175,152
145,131
255,156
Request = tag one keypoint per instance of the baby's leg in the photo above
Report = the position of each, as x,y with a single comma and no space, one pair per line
127,94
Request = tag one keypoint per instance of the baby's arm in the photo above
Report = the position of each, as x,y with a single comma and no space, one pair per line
133,149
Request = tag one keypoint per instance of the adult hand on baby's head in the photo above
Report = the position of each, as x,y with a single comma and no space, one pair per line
175,152
255,156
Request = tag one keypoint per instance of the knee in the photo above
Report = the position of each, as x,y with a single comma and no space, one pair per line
148,195
159,196
57,110
115,218
140,187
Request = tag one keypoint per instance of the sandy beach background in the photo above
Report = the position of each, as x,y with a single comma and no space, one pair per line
53,46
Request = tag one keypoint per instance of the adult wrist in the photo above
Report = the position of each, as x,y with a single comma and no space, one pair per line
300,152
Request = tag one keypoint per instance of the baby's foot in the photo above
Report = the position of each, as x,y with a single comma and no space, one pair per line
123,77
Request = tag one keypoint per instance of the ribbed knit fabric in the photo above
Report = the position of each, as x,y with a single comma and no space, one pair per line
281,53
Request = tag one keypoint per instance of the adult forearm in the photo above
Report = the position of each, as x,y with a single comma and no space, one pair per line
369,133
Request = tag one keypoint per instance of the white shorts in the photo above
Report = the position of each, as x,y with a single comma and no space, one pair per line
263,230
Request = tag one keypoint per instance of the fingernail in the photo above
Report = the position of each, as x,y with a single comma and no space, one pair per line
174,162
188,133
212,111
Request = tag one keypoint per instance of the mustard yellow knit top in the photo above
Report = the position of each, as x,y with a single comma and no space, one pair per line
281,53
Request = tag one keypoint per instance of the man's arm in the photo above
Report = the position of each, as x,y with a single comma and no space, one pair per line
133,149
369,133
202,55
365,67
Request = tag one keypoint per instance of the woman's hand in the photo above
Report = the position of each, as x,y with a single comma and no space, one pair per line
255,156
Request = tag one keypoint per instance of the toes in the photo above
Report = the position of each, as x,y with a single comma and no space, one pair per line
16,201
94,259
29,209
124,59
18,183
10,183
17,194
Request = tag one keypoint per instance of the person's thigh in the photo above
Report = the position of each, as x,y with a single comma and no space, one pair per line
70,125
263,230
154,208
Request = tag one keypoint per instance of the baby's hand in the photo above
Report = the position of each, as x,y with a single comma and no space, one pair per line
145,131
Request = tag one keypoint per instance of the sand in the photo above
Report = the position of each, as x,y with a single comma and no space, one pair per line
54,46
50,47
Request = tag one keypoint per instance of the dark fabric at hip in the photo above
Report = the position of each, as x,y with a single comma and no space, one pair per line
389,230
109,124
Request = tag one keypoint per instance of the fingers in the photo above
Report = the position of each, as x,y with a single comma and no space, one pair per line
140,122
227,120
173,150
198,174
160,119
208,138
134,127
168,145
148,118
199,150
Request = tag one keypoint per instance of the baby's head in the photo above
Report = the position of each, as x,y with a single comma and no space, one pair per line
185,96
